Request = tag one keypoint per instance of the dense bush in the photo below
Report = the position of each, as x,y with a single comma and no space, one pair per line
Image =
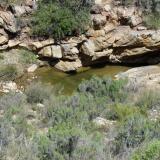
104,87
61,18
27,57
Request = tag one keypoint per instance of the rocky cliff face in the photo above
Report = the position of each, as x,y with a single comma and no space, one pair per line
117,36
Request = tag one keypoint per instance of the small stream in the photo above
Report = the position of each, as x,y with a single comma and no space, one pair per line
71,81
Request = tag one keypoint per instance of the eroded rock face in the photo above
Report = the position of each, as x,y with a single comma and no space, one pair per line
8,21
123,43
117,35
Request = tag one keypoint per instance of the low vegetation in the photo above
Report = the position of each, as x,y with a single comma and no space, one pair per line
152,20
8,72
27,57
43,124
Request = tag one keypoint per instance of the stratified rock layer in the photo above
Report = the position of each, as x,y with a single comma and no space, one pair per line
117,36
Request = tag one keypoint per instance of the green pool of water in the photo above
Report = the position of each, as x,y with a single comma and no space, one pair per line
71,81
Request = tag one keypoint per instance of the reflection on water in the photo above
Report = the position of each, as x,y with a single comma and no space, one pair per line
71,81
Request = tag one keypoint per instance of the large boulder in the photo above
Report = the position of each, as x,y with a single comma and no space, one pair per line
88,48
13,42
32,68
53,51
68,66
8,21
147,77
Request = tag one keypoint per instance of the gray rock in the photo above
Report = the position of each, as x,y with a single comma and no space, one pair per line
53,51
147,77
70,51
103,124
32,68
99,21
9,21
67,66
21,10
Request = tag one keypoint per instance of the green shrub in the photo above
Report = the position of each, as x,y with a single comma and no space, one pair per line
98,87
120,112
59,19
60,142
152,20
28,57
66,141
151,151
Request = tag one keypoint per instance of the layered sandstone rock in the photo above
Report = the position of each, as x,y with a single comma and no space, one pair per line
8,21
117,36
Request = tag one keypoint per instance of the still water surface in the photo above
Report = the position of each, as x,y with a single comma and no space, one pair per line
71,81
